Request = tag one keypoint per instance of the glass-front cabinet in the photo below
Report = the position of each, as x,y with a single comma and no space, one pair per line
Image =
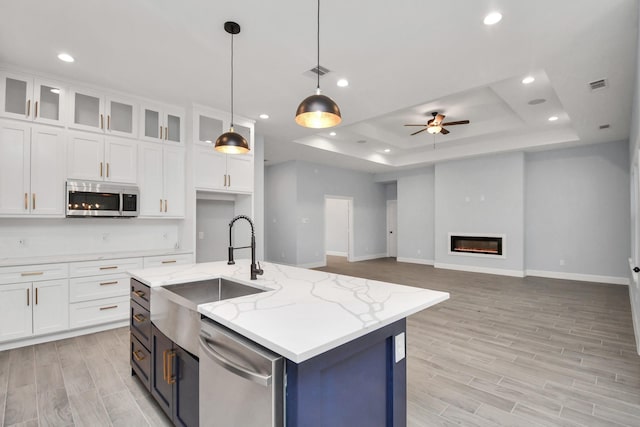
92,111
28,98
162,124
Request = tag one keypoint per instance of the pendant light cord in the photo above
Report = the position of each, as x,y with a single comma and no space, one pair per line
318,44
232,81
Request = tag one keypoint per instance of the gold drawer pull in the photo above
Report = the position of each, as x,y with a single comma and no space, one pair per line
108,308
164,365
112,267
33,203
171,261
139,318
115,282
28,297
171,379
36,113
32,273
26,201
139,293
137,356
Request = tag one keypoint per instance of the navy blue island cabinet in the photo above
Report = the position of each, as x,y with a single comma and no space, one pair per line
359,383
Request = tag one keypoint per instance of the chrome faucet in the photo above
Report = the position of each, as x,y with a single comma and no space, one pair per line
255,269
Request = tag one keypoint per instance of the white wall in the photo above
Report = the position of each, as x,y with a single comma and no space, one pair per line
337,227
280,213
416,212
481,195
258,194
577,213
212,224
391,191
68,236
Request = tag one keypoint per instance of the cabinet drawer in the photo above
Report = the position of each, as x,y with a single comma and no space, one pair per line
164,260
33,273
90,288
140,293
141,362
106,310
95,268
140,323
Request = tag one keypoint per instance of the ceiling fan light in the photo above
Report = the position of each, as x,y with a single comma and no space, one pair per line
231,143
317,112
434,129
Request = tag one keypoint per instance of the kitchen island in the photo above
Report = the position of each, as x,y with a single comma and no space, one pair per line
343,337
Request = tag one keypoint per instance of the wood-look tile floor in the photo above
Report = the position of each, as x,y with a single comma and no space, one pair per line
501,352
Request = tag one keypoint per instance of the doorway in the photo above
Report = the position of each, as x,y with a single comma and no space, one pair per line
338,236
392,228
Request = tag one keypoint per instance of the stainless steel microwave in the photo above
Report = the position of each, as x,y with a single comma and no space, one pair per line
101,199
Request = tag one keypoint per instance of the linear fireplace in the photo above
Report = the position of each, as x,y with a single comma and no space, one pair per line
476,244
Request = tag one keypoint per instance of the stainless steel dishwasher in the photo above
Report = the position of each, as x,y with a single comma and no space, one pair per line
241,383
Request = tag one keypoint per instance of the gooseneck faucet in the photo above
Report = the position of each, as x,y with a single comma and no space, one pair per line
255,269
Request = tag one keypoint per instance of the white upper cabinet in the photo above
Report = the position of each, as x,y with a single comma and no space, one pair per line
162,124
100,158
93,111
161,179
32,170
33,99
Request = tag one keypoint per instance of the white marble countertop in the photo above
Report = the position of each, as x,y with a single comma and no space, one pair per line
305,312
54,259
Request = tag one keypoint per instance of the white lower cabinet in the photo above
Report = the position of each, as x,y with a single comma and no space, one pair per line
166,260
33,308
161,180
95,312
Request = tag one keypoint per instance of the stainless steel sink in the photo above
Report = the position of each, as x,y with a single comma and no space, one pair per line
174,308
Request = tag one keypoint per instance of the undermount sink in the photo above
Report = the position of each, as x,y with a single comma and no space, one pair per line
211,290
174,309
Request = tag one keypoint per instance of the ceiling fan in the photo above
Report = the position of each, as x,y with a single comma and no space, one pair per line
435,125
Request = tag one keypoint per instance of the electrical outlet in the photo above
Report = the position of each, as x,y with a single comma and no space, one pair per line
22,242
282,255
561,262
419,251
105,237
165,236
200,235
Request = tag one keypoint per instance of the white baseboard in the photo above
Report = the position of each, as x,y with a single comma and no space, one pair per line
579,277
486,270
316,264
368,257
62,335
416,260
337,253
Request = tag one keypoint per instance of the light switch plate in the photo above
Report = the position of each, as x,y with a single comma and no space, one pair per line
400,347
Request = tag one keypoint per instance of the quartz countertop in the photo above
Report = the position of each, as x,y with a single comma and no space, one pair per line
54,259
304,312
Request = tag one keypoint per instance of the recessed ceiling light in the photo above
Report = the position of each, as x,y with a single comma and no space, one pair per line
65,57
332,133
343,83
387,150
553,118
492,18
56,91
264,116
528,79
208,141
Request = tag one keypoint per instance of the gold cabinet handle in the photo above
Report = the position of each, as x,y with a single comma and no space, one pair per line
160,205
160,132
139,318
164,365
33,201
229,180
137,356
36,112
101,121
32,273
111,307
166,133
26,201
171,379
100,168
171,261
109,121
111,267
165,205
139,293
225,180
28,297
36,296
28,107
107,169
115,282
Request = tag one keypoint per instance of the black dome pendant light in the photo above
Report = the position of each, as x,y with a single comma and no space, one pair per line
318,111
232,142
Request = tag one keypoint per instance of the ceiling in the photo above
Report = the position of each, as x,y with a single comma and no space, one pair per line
403,60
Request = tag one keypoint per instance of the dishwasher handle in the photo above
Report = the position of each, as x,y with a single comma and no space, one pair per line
264,380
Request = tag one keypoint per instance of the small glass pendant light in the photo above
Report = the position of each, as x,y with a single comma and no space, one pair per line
318,111
232,142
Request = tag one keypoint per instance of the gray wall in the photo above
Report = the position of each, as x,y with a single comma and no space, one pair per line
481,195
578,210
416,215
280,213
212,220
258,194
337,226
391,191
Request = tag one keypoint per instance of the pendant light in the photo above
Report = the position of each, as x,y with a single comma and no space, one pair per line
232,142
318,111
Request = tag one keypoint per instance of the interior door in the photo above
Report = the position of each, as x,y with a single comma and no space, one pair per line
392,228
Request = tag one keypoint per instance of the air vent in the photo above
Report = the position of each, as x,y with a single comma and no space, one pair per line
598,84
537,101
361,141
607,126
319,70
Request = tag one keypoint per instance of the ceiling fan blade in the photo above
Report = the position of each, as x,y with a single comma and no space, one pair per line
444,131
459,122
438,119
416,125
421,130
